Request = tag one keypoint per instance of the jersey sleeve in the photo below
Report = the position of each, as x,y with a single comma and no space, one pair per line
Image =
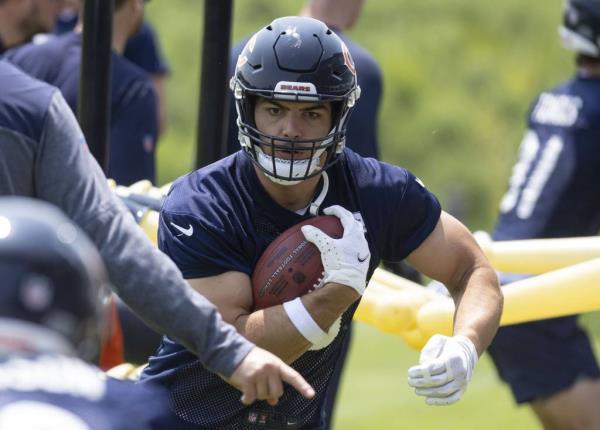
417,212
203,244
400,211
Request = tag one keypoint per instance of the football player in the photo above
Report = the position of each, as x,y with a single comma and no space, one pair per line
54,289
44,155
295,87
553,193
361,134
134,108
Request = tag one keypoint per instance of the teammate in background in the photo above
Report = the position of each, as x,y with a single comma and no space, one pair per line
44,155
20,20
54,290
143,49
134,114
553,192
295,87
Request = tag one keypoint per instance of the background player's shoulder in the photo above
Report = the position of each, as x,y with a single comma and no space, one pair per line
24,102
572,103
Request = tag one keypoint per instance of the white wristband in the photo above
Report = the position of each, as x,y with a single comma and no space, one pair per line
303,321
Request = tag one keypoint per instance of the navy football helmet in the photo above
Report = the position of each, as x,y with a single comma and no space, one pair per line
52,276
294,59
580,31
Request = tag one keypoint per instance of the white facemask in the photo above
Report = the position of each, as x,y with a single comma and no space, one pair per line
282,166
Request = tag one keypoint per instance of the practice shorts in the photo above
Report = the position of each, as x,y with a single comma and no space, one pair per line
541,358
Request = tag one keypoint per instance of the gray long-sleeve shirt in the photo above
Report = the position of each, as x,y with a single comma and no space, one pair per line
43,155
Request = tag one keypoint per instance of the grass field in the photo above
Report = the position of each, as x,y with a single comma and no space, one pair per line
374,393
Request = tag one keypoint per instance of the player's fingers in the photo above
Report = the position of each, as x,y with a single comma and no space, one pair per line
275,389
432,367
345,216
296,380
445,400
429,381
315,236
444,390
262,389
248,394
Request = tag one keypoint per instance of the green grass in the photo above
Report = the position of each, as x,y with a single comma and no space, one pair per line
374,393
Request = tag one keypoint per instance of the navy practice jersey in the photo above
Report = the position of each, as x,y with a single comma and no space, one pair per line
23,107
221,219
361,134
67,394
134,117
143,49
553,191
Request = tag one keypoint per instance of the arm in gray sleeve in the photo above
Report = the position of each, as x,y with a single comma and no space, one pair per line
148,281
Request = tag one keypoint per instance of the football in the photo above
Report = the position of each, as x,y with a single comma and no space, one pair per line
291,266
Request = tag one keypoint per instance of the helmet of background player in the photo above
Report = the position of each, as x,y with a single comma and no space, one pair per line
580,31
294,59
54,284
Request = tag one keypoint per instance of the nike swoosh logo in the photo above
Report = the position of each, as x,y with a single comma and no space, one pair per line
362,259
187,231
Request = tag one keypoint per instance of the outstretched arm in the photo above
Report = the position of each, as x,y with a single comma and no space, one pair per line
451,255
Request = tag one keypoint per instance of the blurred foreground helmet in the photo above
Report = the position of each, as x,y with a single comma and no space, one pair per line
580,31
51,276
294,59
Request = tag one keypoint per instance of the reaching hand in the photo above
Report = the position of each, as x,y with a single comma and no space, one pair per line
345,260
445,368
259,377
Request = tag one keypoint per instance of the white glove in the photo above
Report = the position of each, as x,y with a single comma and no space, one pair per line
445,367
345,260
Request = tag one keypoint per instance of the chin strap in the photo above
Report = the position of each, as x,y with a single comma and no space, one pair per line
314,206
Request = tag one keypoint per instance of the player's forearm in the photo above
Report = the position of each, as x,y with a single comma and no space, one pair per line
273,330
479,303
